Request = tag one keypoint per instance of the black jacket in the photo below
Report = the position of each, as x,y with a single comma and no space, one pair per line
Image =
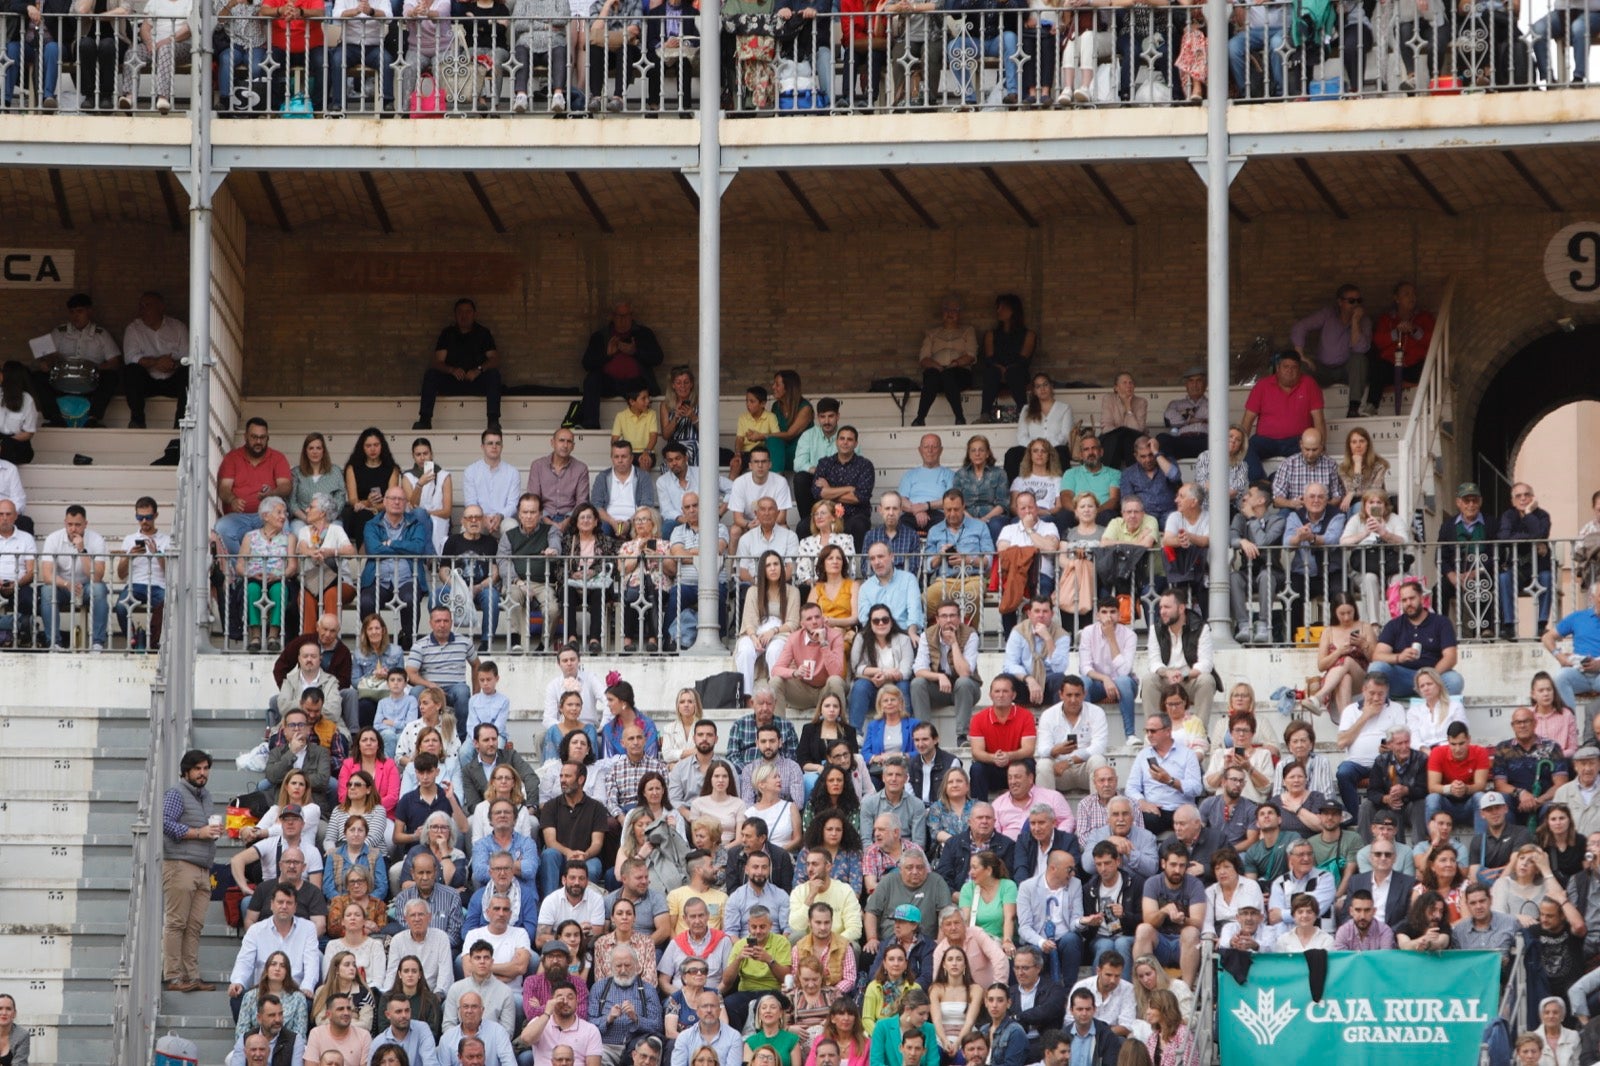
1394,912
1027,853
1107,1045
1132,893
1412,773
782,868
955,861
942,762
1048,1010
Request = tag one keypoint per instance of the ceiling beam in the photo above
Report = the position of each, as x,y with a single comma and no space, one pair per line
484,202
63,209
376,200
1532,182
1011,198
1106,194
1427,185
274,201
910,201
689,191
169,194
1322,190
803,200
589,201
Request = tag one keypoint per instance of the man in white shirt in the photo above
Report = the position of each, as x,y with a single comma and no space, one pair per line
80,340
1302,876
1071,739
766,535
11,489
430,946
682,614
153,349
1029,530
577,900
17,555
621,490
72,577
493,485
295,937
144,569
1363,727
750,488
512,951
1113,997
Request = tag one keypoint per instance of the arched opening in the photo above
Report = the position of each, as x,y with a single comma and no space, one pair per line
1570,433
1551,373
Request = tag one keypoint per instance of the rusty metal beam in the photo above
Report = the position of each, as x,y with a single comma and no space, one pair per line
1321,189
1106,194
910,201
1011,198
589,201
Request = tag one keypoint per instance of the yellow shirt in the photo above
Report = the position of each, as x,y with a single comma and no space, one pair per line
766,425
637,430
715,900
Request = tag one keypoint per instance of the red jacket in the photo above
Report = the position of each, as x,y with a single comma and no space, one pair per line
1412,349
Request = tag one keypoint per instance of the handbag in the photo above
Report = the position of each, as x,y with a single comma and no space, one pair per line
460,600
298,105
429,104
459,71
1075,585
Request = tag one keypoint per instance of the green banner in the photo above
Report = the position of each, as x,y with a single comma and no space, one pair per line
1377,1008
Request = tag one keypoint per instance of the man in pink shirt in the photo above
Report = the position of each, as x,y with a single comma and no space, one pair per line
247,475
811,663
1011,807
1280,408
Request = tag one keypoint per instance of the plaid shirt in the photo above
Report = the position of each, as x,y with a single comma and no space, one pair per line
622,793
1528,768
876,862
1091,815
742,740
905,546
789,772
1294,474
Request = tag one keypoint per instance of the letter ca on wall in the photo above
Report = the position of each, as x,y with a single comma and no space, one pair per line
36,268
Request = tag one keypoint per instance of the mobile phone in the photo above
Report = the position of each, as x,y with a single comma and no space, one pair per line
1239,752
427,467
1072,738
1155,760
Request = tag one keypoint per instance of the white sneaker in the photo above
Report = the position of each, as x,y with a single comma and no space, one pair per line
98,648
163,105
1262,635
1080,95
519,104
1135,743
1368,410
1065,99
558,102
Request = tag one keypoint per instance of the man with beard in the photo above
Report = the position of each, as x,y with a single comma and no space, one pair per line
623,1005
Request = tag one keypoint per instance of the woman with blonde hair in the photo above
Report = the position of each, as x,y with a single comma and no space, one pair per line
826,529
296,789
433,712
1432,711
504,783
1377,535
644,582
1362,469
1038,473
1149,977
677,736
776,809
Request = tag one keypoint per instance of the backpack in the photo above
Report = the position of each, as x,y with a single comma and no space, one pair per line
721,690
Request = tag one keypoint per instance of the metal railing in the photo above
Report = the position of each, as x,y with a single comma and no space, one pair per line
1416,462
414,58
82,602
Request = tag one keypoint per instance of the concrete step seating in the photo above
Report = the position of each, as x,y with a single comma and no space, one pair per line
121,472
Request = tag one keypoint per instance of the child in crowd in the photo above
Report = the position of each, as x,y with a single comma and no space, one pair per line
488,706
640,426
757,423
395,711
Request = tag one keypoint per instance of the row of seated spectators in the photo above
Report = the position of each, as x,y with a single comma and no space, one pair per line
827,868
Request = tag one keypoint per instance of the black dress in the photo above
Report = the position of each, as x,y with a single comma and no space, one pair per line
367,478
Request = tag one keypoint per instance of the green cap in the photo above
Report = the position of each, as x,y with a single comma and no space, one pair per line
1468,488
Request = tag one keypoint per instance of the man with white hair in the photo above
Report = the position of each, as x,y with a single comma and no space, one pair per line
430,946
623,1005
512,949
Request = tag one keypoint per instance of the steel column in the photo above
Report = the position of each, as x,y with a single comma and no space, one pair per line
708,640
1218,176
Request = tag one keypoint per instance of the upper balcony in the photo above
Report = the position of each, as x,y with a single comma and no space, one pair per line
926,81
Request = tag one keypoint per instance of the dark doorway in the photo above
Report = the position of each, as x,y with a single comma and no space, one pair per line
1549,373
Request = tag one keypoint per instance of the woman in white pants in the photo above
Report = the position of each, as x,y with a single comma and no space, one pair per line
771,613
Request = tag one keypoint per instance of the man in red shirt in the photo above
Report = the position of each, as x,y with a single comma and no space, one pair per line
1281,407
1458,772
248,474
1001,735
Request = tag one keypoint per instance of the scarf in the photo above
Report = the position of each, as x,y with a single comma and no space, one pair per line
1037,666
714,936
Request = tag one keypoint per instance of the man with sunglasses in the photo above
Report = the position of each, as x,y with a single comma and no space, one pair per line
1343,343
143,567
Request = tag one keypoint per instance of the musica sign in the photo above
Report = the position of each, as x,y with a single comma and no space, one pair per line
1375,1008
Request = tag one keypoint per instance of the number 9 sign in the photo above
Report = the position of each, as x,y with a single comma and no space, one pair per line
1572,263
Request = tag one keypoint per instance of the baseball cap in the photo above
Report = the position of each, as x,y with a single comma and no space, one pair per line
1384,818
1330,804
906,912
1195,372
1490,799
292,810
1468,488
555,947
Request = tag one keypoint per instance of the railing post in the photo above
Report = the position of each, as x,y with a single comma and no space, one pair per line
708,640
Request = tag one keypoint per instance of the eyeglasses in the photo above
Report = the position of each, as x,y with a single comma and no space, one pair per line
144,517
881,621
1352,299
1383,854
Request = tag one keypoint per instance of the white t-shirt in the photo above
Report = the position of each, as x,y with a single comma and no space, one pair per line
1045,489
317,578
505,947
432,499
1177,524
746,492
68,560
147,569
591,910
624,500
23,421
1012,536
1363,750
267,849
